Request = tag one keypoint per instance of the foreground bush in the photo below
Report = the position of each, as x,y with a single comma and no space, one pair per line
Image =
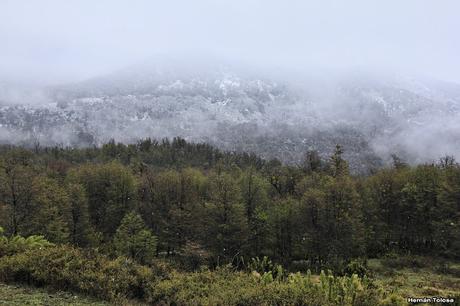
227,287
16,244
68,268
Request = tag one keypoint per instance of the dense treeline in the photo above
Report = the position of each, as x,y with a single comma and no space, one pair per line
200,206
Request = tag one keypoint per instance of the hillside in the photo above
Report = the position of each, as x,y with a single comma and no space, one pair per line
282,116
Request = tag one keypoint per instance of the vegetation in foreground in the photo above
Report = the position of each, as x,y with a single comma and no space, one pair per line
414,276
386,281
14,295
119,280
180,223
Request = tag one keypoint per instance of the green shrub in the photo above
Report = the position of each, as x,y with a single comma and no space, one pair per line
393,300
134,240
16,244
358,267
228,287
67,268
266,268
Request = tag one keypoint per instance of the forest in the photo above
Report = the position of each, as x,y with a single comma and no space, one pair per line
176,223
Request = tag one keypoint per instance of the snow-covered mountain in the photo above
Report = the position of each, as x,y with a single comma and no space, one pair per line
283,116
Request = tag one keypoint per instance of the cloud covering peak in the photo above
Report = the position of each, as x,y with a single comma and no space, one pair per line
59,41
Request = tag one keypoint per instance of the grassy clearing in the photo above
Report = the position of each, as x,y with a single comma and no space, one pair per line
13,295
424,278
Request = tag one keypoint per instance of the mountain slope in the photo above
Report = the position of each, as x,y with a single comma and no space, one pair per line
371,116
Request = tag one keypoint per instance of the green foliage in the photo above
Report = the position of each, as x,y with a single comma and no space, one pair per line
134,240
266,269
67,268
338,165
81,229
421,279
52,217
226,287
282,221
13,295
412,210
254,191
208,207
226,227
168,205
312,162
111,193
16,175
358,267
17,244
231,204
393,300
260,265
87,272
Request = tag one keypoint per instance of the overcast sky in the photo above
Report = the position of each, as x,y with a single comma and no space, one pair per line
60,41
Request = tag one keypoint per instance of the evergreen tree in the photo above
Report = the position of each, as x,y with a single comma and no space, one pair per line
447,222
338,165
343,219
52,212
111,192
282,217
227,230
314,239
16,175
254,192
312,162
133,239
81,231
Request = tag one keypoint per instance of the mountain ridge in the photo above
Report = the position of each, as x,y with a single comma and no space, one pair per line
372,117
